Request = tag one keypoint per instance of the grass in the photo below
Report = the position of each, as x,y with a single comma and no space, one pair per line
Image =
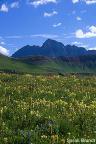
47,109
50,66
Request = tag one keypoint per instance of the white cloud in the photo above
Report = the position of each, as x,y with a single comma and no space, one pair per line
75,1
4,8
2,43
92,29
45,35
90,1
4,51
89,34
78,18
46,14
86,1
94,48
57,25
36,3
14,4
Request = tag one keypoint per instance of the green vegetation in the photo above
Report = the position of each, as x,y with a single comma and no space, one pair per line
44,66
46,109
13,65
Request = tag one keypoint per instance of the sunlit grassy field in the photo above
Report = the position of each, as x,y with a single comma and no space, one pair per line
47,109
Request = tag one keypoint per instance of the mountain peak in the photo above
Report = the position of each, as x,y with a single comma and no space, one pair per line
51,48
48,41
51,42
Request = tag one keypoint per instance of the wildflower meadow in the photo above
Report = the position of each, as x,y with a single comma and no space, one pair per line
47,109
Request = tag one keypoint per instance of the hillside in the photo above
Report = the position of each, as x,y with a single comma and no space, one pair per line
8,64
45,65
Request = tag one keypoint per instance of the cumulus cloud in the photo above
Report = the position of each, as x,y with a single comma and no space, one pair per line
57,25
14,4
75,1
92,29
89,34
4,51
2,43
78,18
86,1
4,8
46,14
36,3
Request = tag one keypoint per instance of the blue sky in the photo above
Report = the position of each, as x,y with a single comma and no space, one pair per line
31,22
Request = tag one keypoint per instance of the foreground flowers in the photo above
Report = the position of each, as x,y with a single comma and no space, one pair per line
47,108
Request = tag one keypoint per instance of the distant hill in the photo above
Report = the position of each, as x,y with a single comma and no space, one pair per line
12,65
91,52
8,64
52,48
79,64
46,65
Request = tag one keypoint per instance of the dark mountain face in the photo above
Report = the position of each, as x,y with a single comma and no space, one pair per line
91,52
27,51
75,51
51,48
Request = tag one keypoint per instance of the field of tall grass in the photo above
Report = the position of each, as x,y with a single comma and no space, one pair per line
47,109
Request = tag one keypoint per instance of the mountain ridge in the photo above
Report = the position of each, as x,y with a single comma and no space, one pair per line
52,57
52,48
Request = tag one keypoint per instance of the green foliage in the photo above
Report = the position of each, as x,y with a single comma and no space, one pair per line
50,66
37,109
